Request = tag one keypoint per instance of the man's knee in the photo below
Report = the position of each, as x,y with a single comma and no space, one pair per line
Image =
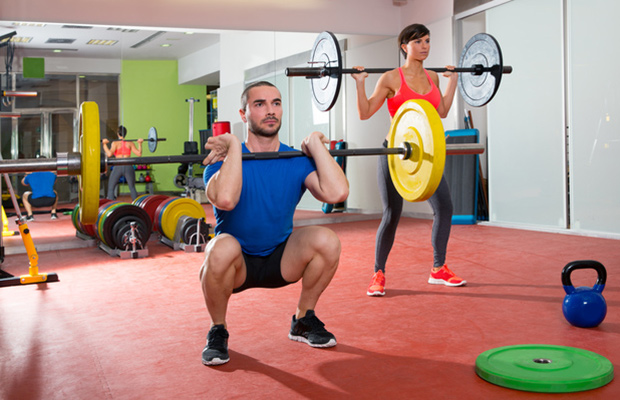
326,257
221,254
327,243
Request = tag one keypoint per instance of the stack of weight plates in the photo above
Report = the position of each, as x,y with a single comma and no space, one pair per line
86,229
113,226
169,212
149,203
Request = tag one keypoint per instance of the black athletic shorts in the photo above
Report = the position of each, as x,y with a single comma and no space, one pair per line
264,271
42,201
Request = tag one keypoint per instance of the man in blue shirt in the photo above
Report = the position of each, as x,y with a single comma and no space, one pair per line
254,202
42,193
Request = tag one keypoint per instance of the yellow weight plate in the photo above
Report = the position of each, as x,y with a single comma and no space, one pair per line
90,149
175,210
418,123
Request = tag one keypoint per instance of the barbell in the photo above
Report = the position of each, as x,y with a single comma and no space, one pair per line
480,70
416,136
152,139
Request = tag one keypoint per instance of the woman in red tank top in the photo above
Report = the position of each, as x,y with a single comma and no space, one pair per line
411,81
122,149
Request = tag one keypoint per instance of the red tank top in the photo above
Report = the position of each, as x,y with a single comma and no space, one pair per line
124,150
405,93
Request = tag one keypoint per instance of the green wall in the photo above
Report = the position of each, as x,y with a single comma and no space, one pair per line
151,97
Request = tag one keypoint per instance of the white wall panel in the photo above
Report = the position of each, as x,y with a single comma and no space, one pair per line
526,145
594,122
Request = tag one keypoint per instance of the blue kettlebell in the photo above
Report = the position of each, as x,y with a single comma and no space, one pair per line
584,307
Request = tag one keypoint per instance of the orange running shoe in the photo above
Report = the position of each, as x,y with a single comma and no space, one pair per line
445,277
377,285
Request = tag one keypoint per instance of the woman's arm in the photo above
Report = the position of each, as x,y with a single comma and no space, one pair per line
137,150
448,97
368,106
109,151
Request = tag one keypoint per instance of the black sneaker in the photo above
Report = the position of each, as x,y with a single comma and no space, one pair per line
29,218
216,350
54,216
310,330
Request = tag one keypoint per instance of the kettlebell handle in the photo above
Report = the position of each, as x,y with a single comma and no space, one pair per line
584,264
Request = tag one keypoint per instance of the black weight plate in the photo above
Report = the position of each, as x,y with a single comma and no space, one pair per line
126,229
326,53
182,224
119,212
481,49
112,217
152,139
190,229
123,225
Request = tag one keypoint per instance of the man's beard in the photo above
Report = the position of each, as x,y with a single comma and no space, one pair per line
258,131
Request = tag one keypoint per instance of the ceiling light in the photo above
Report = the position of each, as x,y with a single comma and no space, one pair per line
166,45
102,42
126,30
189,33
29,24
7,36
21,39
57,51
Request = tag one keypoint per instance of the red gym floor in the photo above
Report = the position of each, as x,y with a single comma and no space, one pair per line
135,329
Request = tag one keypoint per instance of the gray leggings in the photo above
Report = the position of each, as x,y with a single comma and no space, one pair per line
440,201
130,176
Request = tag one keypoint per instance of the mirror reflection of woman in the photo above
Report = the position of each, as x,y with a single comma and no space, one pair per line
122,149
411,81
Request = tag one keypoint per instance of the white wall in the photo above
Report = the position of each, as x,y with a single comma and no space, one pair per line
594,115
526,120
362,171
73,65
236,56
201,64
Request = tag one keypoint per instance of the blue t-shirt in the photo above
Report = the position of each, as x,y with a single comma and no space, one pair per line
41,184
271,190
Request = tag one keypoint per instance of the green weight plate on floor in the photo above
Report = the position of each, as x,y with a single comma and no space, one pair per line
104,212
544,368
75,217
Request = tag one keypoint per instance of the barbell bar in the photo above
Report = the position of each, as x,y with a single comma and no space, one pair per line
135,140
320,72
152,140
70,163
480,70
416,135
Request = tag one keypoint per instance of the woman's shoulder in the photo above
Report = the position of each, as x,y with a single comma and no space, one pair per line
391,76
